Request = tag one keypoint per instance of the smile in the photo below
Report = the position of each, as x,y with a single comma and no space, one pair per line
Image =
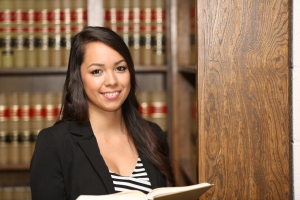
111,94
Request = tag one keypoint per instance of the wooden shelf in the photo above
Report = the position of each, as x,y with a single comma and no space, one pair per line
187,69
63,70
34,71
14,167
150,68
189,171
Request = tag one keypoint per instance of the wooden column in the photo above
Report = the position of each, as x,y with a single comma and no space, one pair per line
243,82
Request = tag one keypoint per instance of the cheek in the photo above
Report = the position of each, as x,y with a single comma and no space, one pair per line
126,81
89,85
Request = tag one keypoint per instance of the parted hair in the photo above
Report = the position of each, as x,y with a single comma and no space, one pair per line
75,106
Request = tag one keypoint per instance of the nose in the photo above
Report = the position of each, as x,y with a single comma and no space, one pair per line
110,78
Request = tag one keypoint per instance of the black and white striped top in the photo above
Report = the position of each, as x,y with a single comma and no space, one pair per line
138,180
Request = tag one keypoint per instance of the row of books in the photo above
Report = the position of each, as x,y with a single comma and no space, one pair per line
153,107
15,193
141,24
16,148
36,46
31,12
28,106
38,33
134,11
33,109
22,116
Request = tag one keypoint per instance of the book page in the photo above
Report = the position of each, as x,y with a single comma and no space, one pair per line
185,191
126,195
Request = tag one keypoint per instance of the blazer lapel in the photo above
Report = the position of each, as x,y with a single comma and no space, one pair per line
88,144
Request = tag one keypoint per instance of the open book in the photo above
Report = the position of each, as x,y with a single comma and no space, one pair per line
191,192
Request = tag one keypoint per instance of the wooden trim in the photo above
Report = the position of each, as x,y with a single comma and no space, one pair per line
14,167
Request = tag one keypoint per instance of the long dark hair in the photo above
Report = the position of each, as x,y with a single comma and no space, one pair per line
75,107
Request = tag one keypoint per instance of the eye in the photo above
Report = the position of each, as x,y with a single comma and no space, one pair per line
121,68
97,71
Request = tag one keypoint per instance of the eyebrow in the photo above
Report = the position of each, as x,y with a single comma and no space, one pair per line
102,65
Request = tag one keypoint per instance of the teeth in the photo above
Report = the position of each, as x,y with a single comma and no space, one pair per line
111,94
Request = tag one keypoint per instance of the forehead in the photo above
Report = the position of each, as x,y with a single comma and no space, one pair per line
101,52
93,47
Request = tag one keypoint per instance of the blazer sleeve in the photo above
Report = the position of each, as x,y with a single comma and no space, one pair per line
46,179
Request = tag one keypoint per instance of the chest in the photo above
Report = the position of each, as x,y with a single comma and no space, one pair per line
120,155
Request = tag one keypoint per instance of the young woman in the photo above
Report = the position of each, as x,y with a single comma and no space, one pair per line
100,144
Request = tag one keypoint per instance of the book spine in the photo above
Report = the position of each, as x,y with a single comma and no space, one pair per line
24,131
159,108
3,143
24,146
13,142
42,45
144,104
6,50
41,33
55,34
55,50
158,33
30,47
18,41
145,22
15,192
145,42
3,107
66,36
13,128
50,109
79,12
134,43
3,129
158,44
7,192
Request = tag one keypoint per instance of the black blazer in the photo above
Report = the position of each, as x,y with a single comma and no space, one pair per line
67,163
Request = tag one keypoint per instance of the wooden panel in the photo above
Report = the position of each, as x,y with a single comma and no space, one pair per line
244,98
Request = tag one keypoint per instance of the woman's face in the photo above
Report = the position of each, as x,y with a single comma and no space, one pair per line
105,77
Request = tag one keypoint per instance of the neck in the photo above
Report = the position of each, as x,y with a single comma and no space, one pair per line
105,123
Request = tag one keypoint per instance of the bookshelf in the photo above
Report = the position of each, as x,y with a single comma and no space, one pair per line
183,72
50,78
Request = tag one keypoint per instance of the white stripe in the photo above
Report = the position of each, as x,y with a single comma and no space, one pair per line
142,181
120,177
139,164
145,179
139,170
132,185
139,174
